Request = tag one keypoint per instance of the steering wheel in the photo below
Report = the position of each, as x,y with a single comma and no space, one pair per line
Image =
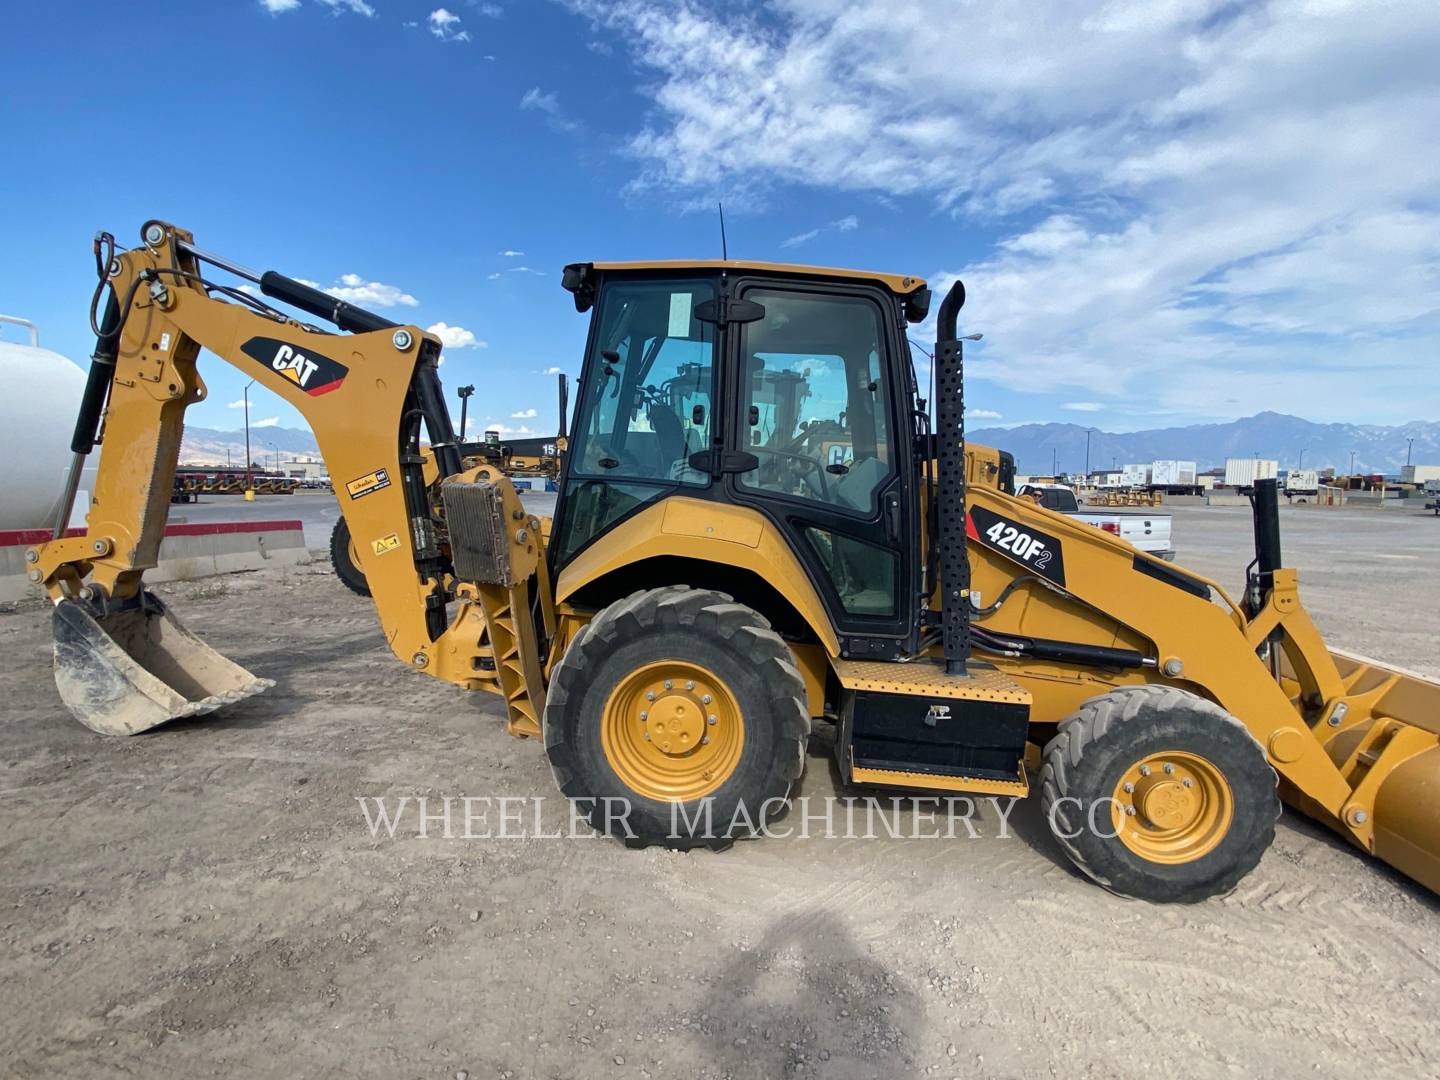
804,460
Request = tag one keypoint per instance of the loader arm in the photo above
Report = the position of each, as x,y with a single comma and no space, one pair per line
365,396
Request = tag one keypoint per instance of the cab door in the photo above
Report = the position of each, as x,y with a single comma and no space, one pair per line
816,389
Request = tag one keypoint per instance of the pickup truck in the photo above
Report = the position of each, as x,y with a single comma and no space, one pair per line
1150,532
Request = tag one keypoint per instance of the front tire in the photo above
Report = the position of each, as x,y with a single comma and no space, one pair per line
677,717
1159,794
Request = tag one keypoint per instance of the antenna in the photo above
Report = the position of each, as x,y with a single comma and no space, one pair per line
724,248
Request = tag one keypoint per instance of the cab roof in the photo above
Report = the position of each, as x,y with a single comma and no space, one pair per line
900,284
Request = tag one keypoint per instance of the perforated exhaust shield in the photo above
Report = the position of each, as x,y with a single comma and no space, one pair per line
125,673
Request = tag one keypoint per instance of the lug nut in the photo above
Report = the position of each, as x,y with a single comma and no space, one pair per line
647,736
705,741
668,684
1129,811
689,684
1129,787
712,719
1169,768
1144,770
650,695
1187,782
705,700
644,715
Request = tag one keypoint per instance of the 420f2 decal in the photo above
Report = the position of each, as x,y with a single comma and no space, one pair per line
311,372
1037,551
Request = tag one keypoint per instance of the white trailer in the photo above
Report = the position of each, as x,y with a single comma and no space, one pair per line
1244,472
1172,475
1419,474
1135,476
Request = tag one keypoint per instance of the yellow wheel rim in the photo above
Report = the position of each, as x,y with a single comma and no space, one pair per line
354,554
1172,807
672,731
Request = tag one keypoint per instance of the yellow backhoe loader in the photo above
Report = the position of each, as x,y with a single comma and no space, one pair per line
757,530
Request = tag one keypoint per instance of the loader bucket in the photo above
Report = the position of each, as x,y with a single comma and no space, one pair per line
1406,829
126,672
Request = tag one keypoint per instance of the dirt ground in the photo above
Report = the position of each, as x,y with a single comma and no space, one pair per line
207,900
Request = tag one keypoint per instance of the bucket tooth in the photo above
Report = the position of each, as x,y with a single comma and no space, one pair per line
131,670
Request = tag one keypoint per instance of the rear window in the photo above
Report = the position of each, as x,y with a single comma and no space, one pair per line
1061,499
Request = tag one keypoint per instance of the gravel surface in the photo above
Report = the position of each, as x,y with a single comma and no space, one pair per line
208,900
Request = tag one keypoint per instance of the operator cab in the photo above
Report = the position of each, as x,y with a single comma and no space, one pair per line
789,390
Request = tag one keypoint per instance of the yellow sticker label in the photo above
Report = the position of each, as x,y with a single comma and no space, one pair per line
386,543
368,484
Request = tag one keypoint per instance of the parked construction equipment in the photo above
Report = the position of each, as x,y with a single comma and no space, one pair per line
726,569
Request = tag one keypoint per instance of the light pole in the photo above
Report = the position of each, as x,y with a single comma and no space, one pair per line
249,479
1409,444
1301,463
1088,432
1055,463
1352,462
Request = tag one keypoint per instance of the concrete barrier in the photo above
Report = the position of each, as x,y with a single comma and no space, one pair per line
187,551
1226,500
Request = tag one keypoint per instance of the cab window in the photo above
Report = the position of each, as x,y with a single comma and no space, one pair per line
645,404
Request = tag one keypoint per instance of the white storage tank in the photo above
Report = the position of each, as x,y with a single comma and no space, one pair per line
1244,472
37,419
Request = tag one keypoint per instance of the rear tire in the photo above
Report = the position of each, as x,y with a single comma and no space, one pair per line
342,557
707,668
1203,794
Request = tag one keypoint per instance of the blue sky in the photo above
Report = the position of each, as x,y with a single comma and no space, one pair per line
1165,212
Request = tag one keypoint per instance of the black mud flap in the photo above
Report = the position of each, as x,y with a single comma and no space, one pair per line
129,671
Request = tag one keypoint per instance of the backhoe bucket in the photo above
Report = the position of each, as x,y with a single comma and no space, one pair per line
1405,830
124,673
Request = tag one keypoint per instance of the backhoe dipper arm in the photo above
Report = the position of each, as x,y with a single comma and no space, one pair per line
364,395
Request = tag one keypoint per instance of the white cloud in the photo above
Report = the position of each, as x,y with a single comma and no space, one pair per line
1083,406
553,371
269,421
503,429
239,403
981,414
492,277
490,11
511,253
445,25
456,337
279,7
356,290
549,104
524,414
1188,194
357,7
848,223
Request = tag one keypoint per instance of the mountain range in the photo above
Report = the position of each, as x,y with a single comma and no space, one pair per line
1292,441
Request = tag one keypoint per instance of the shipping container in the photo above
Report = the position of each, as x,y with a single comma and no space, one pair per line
1418,474
1243,472
1172,474
1302,482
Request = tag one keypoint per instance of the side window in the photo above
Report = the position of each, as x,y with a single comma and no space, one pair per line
645,407
813,399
